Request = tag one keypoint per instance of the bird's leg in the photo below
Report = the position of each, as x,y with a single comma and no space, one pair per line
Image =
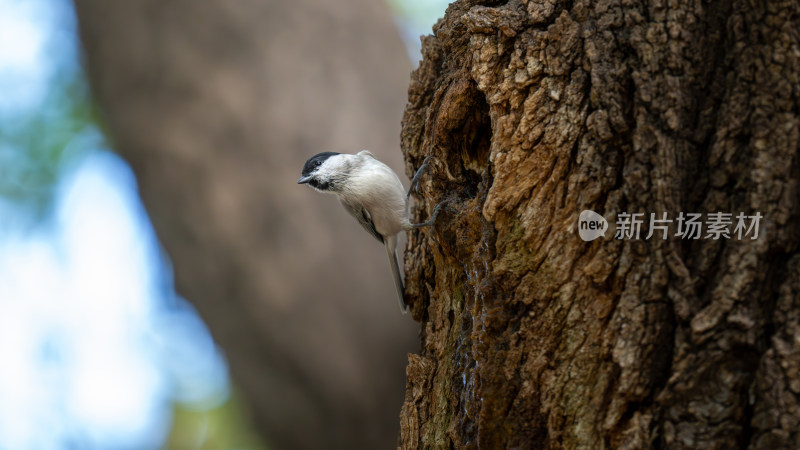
415,184
436,210
418,176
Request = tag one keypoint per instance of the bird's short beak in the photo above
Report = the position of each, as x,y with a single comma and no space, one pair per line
303,180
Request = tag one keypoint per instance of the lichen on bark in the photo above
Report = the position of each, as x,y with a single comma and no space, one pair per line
533,338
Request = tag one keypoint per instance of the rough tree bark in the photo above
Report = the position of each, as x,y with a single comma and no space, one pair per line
533,338
216,105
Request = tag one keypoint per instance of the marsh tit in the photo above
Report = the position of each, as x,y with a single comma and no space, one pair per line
371,192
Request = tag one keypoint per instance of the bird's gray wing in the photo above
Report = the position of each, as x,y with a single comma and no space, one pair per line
363,217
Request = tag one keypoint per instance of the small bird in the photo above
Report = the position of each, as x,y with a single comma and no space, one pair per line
372,193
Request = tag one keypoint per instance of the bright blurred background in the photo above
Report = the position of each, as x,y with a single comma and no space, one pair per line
96,348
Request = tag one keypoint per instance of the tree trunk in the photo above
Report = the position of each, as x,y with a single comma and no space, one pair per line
534,338
216,105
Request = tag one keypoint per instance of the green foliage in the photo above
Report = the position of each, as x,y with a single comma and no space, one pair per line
38,144
224,427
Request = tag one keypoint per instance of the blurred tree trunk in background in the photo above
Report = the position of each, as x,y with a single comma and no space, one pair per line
533,338
216,105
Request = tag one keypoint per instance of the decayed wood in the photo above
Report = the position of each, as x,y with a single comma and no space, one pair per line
533,338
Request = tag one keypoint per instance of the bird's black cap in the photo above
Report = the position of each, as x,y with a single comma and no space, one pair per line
315,161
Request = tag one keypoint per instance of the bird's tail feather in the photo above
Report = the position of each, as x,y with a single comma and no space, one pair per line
398,279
